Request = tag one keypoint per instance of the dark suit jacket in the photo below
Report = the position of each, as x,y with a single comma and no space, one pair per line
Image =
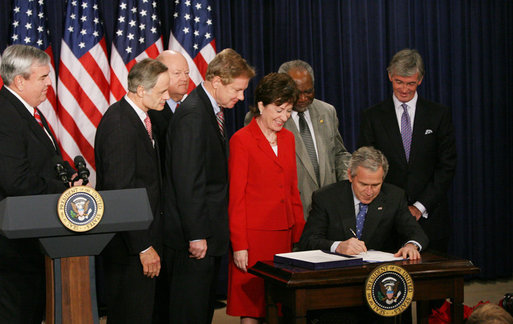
126,158
26,168
333,216
196,177
428,174
159,122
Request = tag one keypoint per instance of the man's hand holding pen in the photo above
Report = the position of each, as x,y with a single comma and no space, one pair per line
353,246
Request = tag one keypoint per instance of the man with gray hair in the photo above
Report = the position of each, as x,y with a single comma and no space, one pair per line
126,157
352,216
321,156
28,150
417,137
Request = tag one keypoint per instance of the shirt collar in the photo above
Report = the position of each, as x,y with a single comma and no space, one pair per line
212,100
172,104
412,103
142,115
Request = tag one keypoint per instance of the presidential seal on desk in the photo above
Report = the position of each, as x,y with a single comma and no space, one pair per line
80,208
389,290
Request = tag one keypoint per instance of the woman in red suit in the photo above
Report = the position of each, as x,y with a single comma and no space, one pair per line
265,212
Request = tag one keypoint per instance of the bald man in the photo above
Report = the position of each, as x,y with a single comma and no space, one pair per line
178,70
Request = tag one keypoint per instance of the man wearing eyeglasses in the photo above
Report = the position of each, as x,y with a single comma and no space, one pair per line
321,156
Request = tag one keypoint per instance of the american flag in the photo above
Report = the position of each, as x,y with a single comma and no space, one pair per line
193,36
83,89
136,36
30,27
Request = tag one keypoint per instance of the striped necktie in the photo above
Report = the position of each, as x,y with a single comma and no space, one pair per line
406,131
304,130
220,121
37,116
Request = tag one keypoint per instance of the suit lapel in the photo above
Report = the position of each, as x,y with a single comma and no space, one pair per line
301,152
263,143
34,126
209,111
346,207
419,127
319,129
136,122
374,214
391,128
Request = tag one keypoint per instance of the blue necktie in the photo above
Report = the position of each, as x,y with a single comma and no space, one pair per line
360,219
406,131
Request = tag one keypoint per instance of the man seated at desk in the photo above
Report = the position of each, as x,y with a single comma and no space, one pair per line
361,213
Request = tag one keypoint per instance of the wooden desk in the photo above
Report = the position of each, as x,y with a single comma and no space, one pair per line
301,290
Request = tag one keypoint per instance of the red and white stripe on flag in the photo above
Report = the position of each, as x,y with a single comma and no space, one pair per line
84,77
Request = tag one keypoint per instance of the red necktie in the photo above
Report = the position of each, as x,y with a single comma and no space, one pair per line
147,123
37,116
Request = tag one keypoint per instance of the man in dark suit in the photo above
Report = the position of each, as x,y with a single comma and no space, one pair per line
28,150
196,220
417,137
361,213
178,70
127,157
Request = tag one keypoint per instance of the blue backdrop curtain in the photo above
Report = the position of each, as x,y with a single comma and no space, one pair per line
467,47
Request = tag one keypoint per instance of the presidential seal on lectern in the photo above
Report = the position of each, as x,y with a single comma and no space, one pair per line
80,208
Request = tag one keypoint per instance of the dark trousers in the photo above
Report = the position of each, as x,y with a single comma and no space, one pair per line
22,297
192,287
129,293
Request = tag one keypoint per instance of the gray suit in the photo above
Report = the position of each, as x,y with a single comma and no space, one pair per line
333,156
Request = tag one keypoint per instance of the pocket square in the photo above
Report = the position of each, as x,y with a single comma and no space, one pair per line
428,131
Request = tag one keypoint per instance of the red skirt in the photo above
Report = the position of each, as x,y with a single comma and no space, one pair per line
246,291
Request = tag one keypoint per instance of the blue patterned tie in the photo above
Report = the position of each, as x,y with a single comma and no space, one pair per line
360,219
406,131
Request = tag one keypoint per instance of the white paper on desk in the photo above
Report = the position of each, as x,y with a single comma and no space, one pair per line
314,256
378,256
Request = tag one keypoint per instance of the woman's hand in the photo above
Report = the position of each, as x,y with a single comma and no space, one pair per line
240,258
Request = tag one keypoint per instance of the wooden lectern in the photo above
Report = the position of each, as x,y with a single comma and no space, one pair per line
70,270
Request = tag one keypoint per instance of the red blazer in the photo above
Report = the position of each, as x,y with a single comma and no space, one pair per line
263,187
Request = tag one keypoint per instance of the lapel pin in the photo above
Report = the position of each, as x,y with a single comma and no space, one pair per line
380,208
321,121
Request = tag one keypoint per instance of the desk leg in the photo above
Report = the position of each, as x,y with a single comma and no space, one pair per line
457,302
271,309
423,311
300,306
